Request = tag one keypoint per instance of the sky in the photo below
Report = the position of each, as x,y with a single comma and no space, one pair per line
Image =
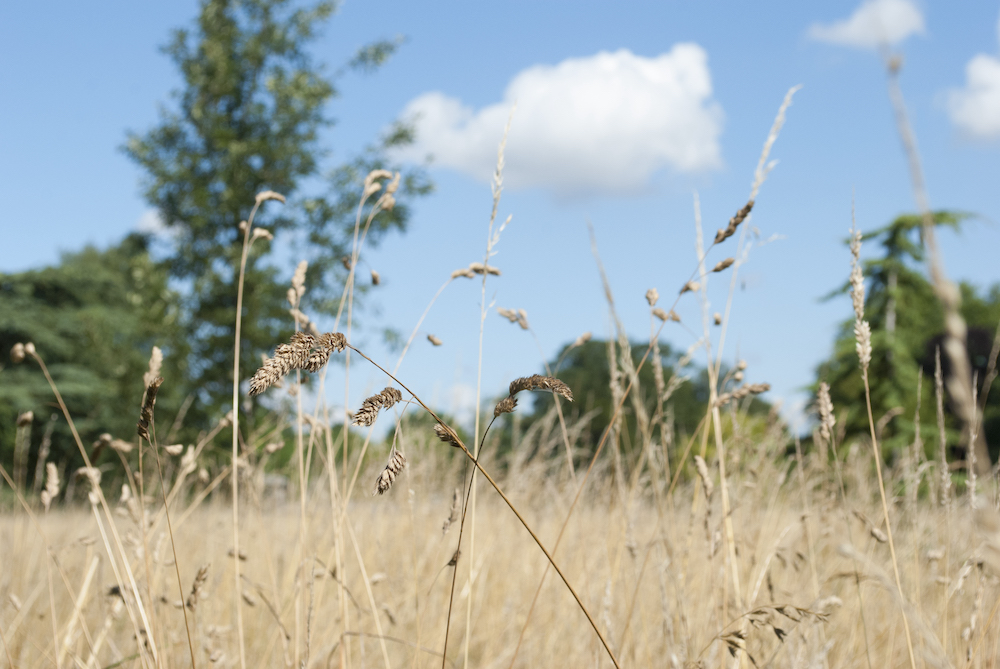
626,113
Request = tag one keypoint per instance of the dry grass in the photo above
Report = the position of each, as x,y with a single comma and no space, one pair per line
653,579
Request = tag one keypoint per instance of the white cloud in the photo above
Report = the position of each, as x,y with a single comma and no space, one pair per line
151,223
604,123
873,24
975,109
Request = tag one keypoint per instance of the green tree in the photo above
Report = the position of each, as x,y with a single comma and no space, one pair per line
94,319
248,119
906,320
586,371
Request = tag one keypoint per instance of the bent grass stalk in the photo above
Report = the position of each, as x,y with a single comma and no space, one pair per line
506,500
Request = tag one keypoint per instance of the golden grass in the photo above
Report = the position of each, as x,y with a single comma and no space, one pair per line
653,577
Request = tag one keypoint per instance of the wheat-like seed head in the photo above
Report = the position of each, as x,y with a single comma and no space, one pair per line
146,415
745,390
25,419
266,195
652,295
196,586
447,435
509,314
456,498
665,315
434,340
539,382
825,408
480,268
385,480
304,351
734,222
690,287
17,353
368,412
706,480
506,405
376,278
723,264
465,271
155,365
582,339
51,484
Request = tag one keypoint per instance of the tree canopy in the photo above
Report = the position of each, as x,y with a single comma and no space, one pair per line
248,119
94,318
907,322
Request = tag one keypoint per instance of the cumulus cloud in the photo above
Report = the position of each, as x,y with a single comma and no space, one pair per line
975,109
604,123
873,24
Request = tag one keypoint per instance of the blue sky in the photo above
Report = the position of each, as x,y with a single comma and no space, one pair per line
624,110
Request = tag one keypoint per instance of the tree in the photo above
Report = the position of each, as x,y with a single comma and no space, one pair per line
586,371
248,119
94,319
906,321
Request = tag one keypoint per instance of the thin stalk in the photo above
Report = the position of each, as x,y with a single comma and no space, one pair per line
510,504
888,524
107,511
236,431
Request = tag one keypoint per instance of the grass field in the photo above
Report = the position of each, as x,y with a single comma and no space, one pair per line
731,546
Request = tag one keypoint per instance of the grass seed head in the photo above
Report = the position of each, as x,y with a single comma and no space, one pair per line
196,587
706,480
690,287
155,365
25,419
745,390
17,353
825,408
509,314
146,414
376,279
385,480
52,483
723,264
539,382
652,295
447,435
434,340
506,405
266,195
368,412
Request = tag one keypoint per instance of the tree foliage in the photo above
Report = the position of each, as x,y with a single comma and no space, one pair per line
94,319
249,118
586,370
907,322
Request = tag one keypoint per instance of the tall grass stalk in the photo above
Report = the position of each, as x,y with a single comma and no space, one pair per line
238,584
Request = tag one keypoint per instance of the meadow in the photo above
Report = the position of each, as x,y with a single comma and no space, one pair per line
734,545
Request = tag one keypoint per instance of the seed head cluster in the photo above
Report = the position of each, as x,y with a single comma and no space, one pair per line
368,412
304,351
534,382
862,331
146,415
385,480
745,390
734,222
